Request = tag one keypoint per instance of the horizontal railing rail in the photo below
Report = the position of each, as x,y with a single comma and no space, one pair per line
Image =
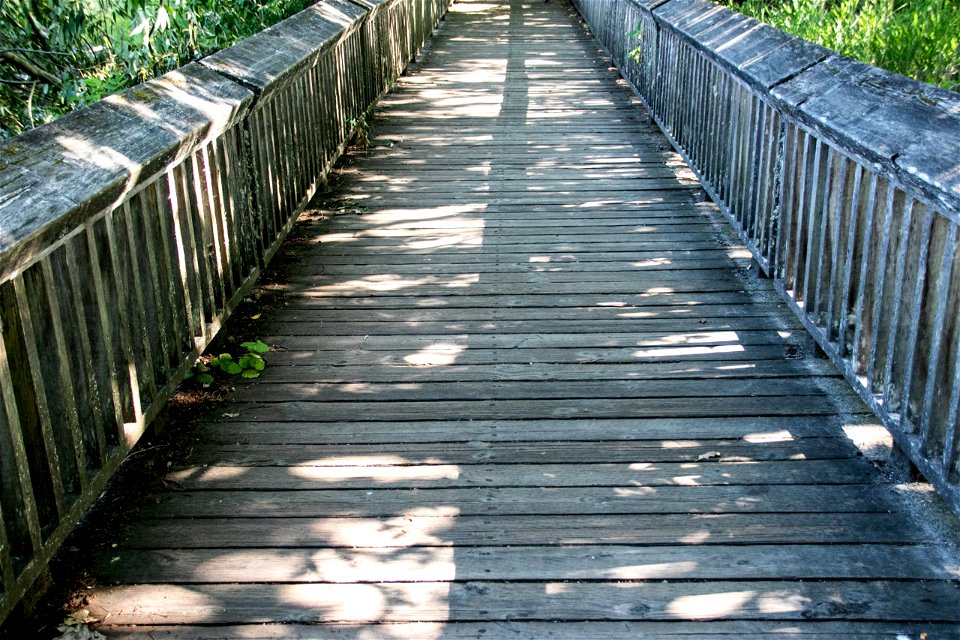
841,178
129,231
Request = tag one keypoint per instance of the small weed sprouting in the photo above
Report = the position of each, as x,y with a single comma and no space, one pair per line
248,364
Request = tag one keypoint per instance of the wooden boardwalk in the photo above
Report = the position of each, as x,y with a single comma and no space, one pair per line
525,386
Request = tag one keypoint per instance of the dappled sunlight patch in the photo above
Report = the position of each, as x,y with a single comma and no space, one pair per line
679,444
438,354
710,605
687,351
383,282
387,216
653,291
873,440
463,280
378,474
697,537
218,474
650,571
416,564
782,602
695,338
633,492
475,7
426,526
467,239
380,460
761,437
332,603
652,262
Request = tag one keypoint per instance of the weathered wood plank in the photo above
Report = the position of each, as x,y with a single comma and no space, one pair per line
533,452
504,630
360,472
346,374
542,409
369,392
447,564
444,602
539,531
233,429
349,503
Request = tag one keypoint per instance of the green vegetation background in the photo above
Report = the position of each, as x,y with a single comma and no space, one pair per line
916,38
57,55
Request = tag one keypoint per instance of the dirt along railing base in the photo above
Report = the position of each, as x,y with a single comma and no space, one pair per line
841,178
131,229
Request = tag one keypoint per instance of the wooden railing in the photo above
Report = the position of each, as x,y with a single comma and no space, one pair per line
841,178
130,230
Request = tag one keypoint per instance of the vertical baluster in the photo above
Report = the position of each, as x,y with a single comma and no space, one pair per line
802,195
827,246
879,192
128,289
115,329
198,223
7,575
894,205
938,335
902,350
183,252
44,422
210,210
843,248
62,386
16,461
810,239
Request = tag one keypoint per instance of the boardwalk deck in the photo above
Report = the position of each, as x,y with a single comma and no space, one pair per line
524,386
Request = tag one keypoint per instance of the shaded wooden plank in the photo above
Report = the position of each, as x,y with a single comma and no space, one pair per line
447,564
534,341
503,630
315,326
352,474
442,602
750,369
691,390
543,409
234,429
445,530
520,501
531,452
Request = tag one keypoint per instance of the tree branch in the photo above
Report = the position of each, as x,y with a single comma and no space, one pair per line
31,69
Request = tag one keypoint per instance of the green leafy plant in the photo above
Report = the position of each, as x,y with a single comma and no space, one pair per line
58,55
247,365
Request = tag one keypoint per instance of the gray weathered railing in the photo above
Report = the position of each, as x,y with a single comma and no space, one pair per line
844,182
130,230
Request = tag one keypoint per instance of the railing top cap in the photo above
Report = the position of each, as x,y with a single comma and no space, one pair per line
57,175
912,127
761,55
278,52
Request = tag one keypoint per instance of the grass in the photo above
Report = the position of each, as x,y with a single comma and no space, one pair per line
916,38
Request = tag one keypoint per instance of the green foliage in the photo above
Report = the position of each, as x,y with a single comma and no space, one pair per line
57,55
248,365
916,38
